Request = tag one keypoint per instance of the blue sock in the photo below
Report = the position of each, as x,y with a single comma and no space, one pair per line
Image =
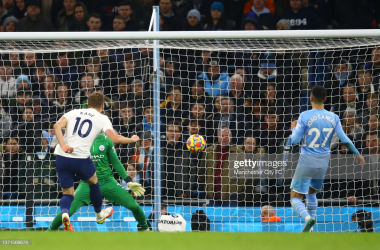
312,204
65,203
96,197
299,207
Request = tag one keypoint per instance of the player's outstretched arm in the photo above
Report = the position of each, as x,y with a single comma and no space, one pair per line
115,138
58,126
118,166
348,144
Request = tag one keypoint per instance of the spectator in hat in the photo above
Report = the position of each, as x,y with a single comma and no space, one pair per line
267,74
33,20
302,18
216,82
283,24
261,15
80,18
10,24
193,21
251,24
23,82
66,16
172,21
216,19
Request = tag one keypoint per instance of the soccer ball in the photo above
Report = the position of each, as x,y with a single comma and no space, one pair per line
196,143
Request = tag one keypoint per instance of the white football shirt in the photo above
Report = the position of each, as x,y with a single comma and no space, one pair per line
172,223
82,128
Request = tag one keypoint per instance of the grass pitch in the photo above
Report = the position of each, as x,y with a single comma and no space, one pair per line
191,241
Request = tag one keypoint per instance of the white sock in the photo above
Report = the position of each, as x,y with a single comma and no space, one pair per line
99,215
65,215
307,218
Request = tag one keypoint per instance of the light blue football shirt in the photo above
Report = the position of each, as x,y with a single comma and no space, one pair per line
317,127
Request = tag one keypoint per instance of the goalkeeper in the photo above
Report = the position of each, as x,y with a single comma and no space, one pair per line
102,154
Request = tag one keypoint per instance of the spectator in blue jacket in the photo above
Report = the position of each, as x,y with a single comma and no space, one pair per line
216,82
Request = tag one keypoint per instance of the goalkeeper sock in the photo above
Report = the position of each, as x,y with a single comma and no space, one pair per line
299,207
96,197
65,203
312,204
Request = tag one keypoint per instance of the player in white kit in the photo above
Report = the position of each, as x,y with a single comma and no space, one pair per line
83,126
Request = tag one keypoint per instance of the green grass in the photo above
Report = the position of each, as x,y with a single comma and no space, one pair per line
192,241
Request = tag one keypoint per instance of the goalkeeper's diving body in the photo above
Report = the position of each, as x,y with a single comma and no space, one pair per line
102,154
317,126
82,127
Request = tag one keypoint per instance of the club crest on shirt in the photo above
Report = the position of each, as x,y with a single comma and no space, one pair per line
101,147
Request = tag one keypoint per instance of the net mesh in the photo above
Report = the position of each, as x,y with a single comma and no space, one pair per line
240,95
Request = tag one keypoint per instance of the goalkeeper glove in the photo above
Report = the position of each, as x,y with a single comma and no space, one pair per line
135,187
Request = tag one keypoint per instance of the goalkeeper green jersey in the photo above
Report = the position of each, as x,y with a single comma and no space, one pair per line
102,154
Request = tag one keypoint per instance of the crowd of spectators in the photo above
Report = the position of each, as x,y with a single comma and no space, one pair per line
241,102
188,15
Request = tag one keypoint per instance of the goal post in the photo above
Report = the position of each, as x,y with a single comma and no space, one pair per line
162,75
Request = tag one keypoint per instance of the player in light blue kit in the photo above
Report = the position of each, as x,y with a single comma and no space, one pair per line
317,127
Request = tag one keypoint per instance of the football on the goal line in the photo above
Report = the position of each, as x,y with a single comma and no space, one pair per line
196,143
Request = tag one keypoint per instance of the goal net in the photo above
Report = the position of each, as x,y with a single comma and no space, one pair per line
241,95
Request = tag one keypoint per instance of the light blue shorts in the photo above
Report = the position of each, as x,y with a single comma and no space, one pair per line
305,177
